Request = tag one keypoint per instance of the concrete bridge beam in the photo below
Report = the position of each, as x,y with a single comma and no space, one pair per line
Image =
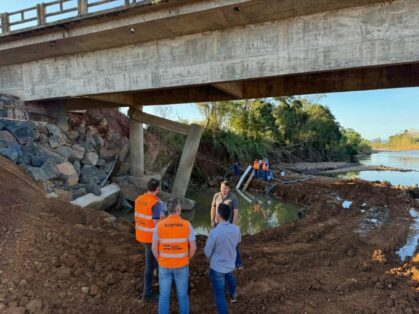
368,36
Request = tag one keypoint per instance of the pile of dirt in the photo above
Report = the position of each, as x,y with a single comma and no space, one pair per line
57,258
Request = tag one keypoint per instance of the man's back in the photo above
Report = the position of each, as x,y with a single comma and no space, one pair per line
221,247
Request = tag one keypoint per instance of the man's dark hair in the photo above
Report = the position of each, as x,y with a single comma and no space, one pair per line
226,183
224,211
173,205
153,184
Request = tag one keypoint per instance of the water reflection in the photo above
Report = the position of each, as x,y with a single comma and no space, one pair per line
402,159
394,177
412,242
257,212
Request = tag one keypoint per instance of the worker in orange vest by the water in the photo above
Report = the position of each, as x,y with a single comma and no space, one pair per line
174,245
265,169
256,168
148,211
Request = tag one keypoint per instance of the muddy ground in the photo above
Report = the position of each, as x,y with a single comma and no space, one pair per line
57,258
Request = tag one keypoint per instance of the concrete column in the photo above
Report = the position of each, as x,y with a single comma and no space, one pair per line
187,160
136,147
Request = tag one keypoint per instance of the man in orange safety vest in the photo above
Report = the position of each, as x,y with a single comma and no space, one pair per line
174,244
148,211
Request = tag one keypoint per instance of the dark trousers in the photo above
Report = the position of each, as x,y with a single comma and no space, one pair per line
150,265
256,175
238,258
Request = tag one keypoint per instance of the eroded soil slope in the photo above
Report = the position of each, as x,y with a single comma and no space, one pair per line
57,258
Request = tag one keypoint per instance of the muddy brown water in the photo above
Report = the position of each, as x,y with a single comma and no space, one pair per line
257,212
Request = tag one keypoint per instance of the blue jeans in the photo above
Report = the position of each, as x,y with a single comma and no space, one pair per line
238,258
218,288
150,265
181,278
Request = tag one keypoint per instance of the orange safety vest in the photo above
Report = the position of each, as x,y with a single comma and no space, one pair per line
144,224
173,234
265,166
256,165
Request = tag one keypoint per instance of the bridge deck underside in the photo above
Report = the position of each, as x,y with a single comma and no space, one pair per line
395,76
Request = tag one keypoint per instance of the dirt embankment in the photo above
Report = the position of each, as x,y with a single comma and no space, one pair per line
57,258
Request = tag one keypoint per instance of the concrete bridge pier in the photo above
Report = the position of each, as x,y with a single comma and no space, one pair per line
187,160
136,145
193,137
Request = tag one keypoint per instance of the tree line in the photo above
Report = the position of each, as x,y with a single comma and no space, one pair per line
285,128
406,140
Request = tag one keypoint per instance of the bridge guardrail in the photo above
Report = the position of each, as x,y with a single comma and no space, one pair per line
44,13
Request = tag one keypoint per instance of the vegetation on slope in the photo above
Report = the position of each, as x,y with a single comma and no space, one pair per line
286,128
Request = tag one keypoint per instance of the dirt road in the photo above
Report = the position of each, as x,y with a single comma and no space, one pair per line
57,258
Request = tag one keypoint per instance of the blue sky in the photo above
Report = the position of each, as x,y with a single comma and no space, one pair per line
376,113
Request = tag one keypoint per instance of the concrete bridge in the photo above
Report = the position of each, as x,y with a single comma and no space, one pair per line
177,51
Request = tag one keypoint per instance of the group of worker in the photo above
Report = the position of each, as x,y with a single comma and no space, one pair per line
169,245
261,169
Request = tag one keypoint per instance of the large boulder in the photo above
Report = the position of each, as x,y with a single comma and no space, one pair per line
51,155
77,153
56,137
13,151
91,174
53,129
37,173
22,131
6,138
64,151
50,170
91,158
56,141
108,154
79,191
77,167
94,189
68,173
72,135
32,155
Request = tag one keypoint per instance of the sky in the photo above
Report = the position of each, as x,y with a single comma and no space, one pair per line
375,113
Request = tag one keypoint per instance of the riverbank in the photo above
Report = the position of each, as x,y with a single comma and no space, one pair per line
334,167
339,258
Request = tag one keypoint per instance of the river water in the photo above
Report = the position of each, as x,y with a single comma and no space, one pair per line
399,159
257,212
